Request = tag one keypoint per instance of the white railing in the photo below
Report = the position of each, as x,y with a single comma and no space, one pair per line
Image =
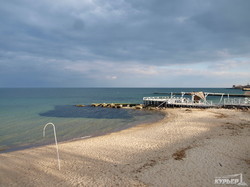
155,98
237,101
188,101
175,100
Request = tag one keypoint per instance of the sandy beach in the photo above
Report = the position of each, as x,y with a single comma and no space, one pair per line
189,147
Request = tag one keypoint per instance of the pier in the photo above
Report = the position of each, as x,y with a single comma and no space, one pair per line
246,94
186,100
197,100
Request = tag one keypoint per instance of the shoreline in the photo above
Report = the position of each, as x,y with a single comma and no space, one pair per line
189,147
20,148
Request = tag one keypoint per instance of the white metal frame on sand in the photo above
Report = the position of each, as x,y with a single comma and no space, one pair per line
54,128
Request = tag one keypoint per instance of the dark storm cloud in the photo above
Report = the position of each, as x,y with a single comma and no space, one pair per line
54,35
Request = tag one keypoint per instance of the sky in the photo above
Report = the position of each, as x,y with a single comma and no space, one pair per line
124,43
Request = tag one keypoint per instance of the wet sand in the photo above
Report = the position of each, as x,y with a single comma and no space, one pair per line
190,147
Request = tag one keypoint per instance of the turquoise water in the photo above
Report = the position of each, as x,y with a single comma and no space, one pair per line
25,111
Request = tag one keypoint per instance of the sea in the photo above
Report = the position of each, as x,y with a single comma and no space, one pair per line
25,111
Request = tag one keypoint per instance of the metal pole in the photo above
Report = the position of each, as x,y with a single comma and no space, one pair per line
58,159
221,98
182,94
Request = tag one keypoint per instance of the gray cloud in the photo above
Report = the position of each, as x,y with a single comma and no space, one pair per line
50,36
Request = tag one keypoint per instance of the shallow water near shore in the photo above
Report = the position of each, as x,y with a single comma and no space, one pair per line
25,111
75,123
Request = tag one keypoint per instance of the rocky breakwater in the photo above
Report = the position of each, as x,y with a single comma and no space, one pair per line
118,105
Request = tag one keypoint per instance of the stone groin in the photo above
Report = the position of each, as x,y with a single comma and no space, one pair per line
155,107
118,105
115,105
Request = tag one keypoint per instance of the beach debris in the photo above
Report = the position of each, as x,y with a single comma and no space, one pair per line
220,115
247,161
180,154
148,164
